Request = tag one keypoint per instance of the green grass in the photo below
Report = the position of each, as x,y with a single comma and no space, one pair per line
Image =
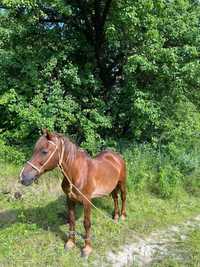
33,228
192,245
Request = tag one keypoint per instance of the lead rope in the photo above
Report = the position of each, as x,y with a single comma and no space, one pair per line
72,185
61,168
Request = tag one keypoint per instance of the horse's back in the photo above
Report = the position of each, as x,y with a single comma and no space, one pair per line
110,155
114,159
108,152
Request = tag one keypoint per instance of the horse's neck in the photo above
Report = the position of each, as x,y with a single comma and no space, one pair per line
71,164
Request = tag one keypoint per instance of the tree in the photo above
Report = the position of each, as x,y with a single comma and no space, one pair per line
97,70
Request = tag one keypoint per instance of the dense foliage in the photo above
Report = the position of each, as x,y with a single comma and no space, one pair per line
103,71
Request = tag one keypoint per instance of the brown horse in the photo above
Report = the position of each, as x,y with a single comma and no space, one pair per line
84,178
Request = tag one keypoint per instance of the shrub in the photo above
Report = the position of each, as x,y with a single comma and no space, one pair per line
11,154
169,179
154,171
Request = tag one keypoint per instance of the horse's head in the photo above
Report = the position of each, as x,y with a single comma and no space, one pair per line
45,157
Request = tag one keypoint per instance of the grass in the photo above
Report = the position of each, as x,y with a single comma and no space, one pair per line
192,245
33,228
190,253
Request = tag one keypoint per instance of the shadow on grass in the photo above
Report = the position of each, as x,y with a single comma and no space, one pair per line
49,217
104,205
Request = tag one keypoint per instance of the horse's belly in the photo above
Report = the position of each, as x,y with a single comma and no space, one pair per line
105,190
105,178
99,194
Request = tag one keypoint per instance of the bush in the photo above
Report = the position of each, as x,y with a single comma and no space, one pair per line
11,154
169,179
154,171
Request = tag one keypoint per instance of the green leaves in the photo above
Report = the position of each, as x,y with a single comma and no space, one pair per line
17,3
100,72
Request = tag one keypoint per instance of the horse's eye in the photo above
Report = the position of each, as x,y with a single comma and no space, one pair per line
44,151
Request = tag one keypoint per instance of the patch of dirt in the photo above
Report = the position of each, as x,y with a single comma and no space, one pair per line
155,247
7,217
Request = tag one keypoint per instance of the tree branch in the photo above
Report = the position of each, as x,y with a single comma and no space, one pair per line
105,12
51,20
5,7
89,31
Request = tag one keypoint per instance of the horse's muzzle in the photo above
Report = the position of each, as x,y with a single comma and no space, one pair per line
27,180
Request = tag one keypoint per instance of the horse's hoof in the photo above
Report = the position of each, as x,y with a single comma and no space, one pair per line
86,251
69,245
116,218
123,217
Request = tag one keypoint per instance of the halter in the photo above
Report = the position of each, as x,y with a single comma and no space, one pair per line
59,162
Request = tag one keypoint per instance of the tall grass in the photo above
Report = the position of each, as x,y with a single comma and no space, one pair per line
153,170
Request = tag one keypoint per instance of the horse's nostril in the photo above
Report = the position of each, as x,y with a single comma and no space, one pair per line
23,182
26,182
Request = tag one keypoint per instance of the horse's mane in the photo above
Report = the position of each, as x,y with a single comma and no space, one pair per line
71,148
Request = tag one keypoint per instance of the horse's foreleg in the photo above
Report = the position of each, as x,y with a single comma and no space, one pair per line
87,224
71,215
116,207
123,198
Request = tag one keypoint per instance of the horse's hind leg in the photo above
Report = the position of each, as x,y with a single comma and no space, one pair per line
87,224
122,187
116,207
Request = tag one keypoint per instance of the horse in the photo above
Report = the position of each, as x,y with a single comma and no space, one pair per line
85,178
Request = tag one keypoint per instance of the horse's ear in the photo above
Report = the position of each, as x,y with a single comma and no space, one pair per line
47,133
